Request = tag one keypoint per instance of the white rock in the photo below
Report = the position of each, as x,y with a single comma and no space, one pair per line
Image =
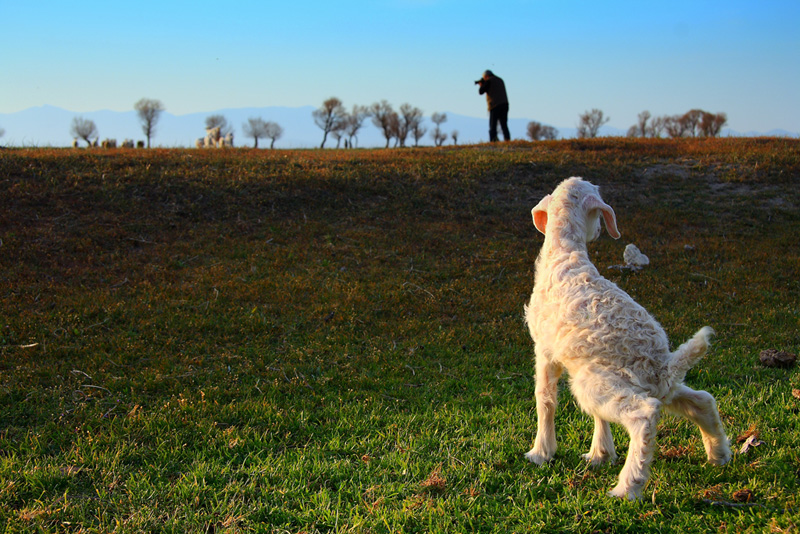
634,257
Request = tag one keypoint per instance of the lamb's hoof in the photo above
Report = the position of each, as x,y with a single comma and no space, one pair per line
720,457
599,459
622,492
538,458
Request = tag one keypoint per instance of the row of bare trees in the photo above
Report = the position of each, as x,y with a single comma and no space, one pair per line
336,121
149,111
693,123
257,128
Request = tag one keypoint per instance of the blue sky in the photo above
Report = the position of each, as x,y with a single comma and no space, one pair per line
558,57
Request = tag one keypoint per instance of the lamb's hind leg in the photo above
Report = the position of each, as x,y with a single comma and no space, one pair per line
544,447
640,416
701,408
602,449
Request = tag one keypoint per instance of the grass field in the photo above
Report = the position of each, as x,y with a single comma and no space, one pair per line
332,341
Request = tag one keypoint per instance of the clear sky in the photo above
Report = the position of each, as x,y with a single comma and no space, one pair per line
558,57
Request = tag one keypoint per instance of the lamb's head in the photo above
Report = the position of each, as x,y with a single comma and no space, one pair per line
575,207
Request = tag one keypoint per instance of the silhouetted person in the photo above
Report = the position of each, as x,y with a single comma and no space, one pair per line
497,100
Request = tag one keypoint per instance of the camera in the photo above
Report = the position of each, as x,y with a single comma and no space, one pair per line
478,82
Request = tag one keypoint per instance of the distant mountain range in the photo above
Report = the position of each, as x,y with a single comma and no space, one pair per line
50,126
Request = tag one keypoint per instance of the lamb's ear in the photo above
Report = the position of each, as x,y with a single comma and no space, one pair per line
593,202
540,214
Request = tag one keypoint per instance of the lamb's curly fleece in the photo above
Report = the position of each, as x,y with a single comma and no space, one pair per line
615,353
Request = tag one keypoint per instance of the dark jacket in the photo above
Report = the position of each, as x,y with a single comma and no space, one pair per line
495,91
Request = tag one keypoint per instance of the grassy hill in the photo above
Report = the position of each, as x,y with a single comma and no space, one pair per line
332,341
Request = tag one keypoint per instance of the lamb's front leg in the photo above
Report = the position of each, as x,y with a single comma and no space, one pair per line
544,447
602,449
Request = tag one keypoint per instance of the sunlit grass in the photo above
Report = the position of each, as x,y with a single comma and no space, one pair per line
333,340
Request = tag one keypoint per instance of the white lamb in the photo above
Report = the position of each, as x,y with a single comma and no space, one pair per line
616,354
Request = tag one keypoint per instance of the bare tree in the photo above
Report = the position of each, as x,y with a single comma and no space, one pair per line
438,136
691,121
2,132
255,128
410,118
711,123
214,121
591,122
454,136
394,128
640,128
274,132
338,134
534,130
674,126
384,117
418,132
656,127
549,133
355,121
329,117
83,129
149,111
538,132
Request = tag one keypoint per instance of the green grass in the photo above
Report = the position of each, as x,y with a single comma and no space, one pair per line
332,341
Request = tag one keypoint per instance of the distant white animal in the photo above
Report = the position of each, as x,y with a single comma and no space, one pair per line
212,137
215,139
615,353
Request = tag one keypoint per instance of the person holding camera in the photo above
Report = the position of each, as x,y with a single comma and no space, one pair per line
497,100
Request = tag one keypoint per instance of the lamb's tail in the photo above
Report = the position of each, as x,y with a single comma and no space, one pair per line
689,354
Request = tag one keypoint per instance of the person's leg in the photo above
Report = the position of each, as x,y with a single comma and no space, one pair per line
503,117
493,118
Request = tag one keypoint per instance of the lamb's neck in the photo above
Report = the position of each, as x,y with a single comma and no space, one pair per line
563,243
561,259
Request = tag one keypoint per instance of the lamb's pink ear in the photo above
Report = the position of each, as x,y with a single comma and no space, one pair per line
593,202
540,214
